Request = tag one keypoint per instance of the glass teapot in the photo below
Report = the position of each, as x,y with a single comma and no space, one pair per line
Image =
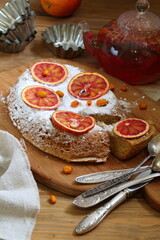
128,47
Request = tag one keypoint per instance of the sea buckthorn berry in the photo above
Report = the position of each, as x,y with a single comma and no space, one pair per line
74,103
67,169
111,87
101,102
143,106
41,94
53,199
123,88
89,102
60,93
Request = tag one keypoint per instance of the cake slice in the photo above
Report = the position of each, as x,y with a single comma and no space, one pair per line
124,148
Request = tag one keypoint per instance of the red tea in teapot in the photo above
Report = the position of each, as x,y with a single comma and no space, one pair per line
129,58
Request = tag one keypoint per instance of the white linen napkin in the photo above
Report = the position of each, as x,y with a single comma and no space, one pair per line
19,196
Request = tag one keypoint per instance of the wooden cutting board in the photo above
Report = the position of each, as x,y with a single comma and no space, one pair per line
48,169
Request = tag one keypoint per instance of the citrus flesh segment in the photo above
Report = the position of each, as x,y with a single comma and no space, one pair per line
72,122
40,97
88,85
131,128
49,72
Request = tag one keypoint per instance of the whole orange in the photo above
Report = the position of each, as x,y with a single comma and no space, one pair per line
60,8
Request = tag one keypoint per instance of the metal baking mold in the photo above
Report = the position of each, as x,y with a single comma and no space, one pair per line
64,40
13,13
15,46
22,31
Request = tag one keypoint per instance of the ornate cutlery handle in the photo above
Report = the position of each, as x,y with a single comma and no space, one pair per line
107,184
94,218
110,183
80,201
114,181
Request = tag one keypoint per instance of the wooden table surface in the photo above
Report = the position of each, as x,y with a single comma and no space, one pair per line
134,219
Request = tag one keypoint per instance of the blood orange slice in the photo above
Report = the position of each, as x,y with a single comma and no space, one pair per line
73,122
88,85
40,97
131,128
49,72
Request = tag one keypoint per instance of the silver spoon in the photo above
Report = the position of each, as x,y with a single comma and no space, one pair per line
153,149
80,201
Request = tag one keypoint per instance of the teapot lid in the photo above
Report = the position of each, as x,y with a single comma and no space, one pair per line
140,19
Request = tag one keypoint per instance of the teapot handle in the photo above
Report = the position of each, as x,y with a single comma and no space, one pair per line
84,26
90,42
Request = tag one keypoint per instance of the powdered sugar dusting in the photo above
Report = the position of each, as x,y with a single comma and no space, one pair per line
125,105
42,117
2,99
26,79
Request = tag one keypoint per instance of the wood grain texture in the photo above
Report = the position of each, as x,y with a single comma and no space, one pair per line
134,219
